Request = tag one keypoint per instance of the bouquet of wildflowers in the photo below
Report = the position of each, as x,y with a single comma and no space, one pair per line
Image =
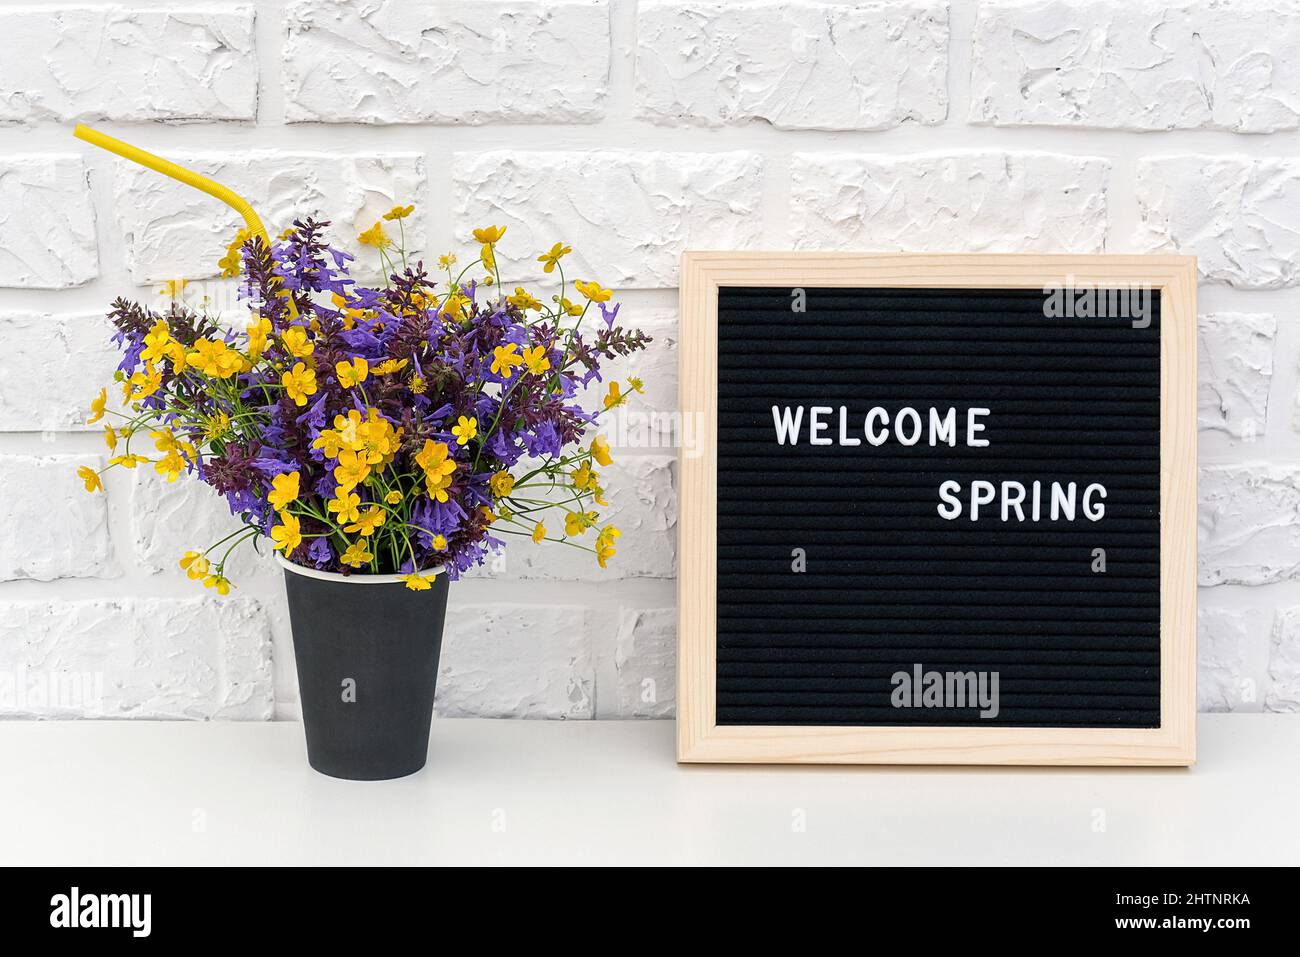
376,430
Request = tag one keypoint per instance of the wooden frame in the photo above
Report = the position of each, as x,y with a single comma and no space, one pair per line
701,739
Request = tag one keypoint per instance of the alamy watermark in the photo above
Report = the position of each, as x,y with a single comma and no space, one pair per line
72,692
1071,299
919,688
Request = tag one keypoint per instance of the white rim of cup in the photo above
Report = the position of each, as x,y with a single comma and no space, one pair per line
358,579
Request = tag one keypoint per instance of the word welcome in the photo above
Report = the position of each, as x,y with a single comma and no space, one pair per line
906,428
102,910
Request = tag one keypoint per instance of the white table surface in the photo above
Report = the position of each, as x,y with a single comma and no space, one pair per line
532,792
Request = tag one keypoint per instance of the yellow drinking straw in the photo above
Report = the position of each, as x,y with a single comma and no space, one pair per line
189,178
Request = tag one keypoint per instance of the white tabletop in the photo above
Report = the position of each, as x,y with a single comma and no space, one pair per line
533,792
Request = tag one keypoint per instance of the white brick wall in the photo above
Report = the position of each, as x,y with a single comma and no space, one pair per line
631,131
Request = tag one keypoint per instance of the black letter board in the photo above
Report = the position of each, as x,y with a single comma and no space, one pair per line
937,508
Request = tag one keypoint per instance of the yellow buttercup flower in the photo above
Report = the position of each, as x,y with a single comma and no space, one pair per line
593,291
352,374
389,366
214,358
501,483
539,532
110,437
392,498
191,561
505,358
284,489
356,554
232,261
446,262
489,259
465,429
367,521
97,407
156,342
220,582
288,534
524,299
549,259
605,549
570,308
417,582
583,477
375,236
636,384
259,331
346,506
577,523
399,212
615,396
439,543
299,383
536,360
170,465
437,467
296,342
141,385
600,451
351,471
90,478
417,384
489,234
127,461
216,426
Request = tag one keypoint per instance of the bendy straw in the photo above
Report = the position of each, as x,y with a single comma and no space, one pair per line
186,176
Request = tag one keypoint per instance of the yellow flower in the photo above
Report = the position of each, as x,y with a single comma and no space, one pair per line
489,259
454,304
171,465
504,358
465,429
141,385
592,291
549,259
577,523
446,262
417,384
389,366
535,360
191,560
539,532
489,234
231,262
392,498
399,212
375,236
258,332
416,582
488,515
351,471
296,342
439,543
636,384
97,407
127,461
352,374
284,489
524,299
356,554
437,467
156,342
110,437
299,383
90,478
583,477
214,358
600,451
501,483
615,396
345,506
367,521
172,288
605,549
570,308
288,534
220,582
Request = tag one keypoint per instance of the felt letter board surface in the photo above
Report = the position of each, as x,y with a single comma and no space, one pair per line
938,509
